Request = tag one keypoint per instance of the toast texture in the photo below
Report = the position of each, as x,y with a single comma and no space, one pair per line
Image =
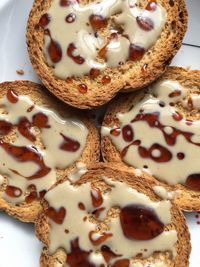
118,172
28,212
132,75
186,199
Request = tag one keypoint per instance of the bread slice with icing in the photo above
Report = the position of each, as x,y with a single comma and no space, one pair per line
65,72
161,136
42,140
93,227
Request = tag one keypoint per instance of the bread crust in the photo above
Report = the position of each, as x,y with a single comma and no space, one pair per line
28,212
134,75
122,173
187,200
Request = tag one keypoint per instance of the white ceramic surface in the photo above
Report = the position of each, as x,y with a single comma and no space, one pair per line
18,244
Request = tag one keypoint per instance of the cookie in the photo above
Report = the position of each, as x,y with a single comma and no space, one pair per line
42,140
110,218
157,131
85,52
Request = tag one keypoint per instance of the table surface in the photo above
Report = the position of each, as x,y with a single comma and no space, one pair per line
18,244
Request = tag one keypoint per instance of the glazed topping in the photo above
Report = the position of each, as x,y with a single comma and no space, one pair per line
82,38
76,174
163,193
140,223
154,135
138,226
1,180
43,143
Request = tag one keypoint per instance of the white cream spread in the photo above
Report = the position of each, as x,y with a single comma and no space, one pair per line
32,161
1,180
164,194
73,204
74,46
154,136
76,174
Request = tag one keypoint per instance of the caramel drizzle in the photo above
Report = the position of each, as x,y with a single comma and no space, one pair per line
26,154
152,119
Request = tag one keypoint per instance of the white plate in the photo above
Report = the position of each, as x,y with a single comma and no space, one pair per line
18,244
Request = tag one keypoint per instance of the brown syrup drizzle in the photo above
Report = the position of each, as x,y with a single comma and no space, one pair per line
13,191
32,196
44,20
30,153
65,3
42,194
145,23
97,199
140,223
24,127
69,144
40,120
12,96
54,48
77,59
26,154
152,119
94,73
152,5
102,52
180,156
127,133
115,132
102,238
5,127
97,22
109,255
81,206
82,88
30,108
78,257
106,79
55,51
136,52
98,212
177,116
70,18
165,154
193,182
57,216
190,103
121,263
175,93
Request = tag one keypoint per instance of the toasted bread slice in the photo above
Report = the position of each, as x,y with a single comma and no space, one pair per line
117,188
170,172
89,91
39,145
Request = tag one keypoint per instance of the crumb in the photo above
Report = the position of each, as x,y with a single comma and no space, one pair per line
20,72
189,67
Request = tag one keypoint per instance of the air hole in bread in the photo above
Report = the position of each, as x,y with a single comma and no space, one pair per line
171,3
173,25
